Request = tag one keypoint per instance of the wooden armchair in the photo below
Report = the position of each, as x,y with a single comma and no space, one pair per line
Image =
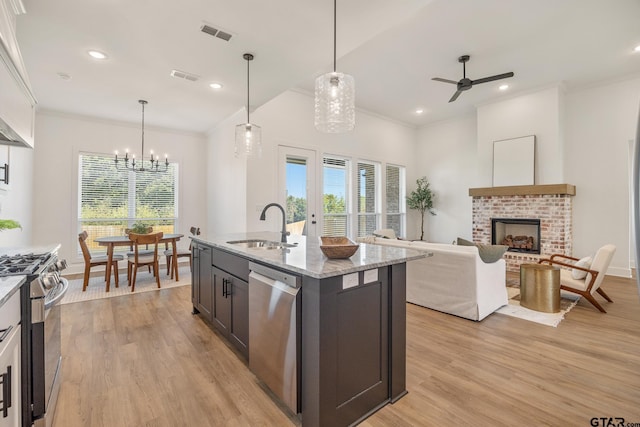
90,262
595,274
140,259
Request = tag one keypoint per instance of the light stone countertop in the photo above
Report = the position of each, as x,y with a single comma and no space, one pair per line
8,286
307,258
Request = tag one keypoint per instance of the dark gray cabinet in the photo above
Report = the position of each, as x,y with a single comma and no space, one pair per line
202,281
231,308
220,293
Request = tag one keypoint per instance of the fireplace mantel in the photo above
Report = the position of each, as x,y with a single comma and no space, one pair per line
524,190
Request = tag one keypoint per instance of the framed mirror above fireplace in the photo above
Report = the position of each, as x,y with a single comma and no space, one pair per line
520,234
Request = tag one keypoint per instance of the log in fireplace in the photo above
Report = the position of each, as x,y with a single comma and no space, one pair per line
520,234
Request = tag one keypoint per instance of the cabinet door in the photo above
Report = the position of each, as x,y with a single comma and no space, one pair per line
221,300
10,374
202,283
239,328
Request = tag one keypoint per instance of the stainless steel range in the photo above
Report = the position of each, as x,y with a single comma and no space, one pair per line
40,317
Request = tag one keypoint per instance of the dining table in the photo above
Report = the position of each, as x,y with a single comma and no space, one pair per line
112,241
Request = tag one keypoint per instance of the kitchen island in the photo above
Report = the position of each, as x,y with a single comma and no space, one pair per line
349,319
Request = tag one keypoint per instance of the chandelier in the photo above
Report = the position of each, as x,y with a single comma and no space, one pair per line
248,136
142,165
335,97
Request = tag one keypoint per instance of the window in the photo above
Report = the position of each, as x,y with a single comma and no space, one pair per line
111,200
395,199
367,193
335,211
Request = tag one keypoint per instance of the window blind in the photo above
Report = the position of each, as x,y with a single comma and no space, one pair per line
395,199
335,217
368,207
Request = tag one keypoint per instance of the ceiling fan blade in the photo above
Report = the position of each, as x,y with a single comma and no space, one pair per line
455,95
492,78
438,79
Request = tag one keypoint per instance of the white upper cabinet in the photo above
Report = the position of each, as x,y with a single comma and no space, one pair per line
17,102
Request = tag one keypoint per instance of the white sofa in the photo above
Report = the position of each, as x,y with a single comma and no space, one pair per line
454,280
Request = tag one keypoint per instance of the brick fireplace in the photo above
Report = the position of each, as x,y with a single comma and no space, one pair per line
551,204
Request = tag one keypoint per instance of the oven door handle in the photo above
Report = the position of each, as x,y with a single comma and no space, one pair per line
56,299
5,333
6,392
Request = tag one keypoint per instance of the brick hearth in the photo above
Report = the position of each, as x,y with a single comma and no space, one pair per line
555,212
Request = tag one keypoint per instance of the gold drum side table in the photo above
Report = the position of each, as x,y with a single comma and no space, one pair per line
540,287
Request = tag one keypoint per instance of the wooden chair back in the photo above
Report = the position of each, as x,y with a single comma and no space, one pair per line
82,239
145,239
195,231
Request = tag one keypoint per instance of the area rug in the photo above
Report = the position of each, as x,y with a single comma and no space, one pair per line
144,283
514,309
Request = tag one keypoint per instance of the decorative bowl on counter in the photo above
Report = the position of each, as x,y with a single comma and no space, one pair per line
337,247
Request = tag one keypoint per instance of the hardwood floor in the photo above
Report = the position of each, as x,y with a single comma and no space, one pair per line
144,360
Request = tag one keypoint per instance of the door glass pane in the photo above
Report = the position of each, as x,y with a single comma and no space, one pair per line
296,196
335,218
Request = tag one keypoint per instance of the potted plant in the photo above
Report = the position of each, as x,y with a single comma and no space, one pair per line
140,228
421,199
8,224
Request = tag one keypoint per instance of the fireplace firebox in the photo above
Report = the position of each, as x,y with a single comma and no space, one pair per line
520,234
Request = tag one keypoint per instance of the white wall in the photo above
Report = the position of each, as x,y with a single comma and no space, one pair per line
288,120
226,179
538,114
16,201
447,156
600,122
60,140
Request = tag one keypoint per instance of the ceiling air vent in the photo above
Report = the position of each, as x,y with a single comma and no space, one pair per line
216,32
184,75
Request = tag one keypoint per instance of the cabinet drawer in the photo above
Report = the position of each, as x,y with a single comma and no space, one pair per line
233,264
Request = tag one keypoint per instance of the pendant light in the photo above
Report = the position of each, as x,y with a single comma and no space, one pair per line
248,135
151,165
335,97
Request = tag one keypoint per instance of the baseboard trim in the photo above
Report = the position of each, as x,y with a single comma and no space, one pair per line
620,272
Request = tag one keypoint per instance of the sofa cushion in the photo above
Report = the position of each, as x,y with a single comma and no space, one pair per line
488,253
385,233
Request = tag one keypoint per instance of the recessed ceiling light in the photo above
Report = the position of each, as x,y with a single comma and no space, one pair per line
503,87
637,48
215,86
419,111
96,54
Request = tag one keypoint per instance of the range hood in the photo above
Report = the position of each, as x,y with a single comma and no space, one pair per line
9,137
17,109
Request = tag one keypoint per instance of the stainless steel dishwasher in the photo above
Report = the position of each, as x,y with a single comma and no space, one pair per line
274,345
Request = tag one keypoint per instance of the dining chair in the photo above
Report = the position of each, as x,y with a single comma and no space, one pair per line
586,275
140,259
146,250
90,261
168,253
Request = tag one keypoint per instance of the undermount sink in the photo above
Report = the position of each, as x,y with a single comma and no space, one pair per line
261,244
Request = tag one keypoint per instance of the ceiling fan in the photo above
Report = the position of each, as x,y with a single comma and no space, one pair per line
465,83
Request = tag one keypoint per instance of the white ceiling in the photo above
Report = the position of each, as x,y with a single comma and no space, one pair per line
392,48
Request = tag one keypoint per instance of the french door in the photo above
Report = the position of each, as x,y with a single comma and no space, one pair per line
297,189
